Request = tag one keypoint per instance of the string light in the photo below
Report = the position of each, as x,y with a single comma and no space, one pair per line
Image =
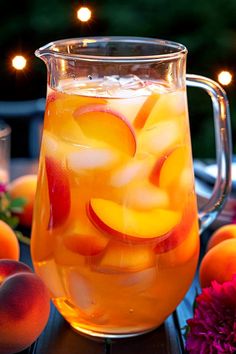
84,14
225,77
19,62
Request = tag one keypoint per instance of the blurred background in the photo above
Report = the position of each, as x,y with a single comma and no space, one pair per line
207,28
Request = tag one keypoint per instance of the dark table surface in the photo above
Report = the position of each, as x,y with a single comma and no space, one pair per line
59,338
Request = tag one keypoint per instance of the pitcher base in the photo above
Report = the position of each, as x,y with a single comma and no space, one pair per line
100,336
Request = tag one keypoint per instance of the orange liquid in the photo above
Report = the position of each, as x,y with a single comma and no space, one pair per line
115,233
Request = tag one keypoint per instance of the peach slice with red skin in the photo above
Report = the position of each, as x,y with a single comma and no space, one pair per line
129,224
145,110
101,122
86,245
59,192
183,252
173,166
155,172
179,233
169,167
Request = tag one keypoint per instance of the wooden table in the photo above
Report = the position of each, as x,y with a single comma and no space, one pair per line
59,338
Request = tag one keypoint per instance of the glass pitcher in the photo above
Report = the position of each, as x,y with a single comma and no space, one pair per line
115,233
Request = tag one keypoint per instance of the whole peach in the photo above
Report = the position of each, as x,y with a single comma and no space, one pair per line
24,306
24,187
9,245
219,263
223,233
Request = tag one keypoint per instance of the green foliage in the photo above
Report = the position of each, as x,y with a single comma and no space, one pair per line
8,207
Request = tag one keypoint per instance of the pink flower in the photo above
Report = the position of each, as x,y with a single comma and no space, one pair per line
3,188
212,330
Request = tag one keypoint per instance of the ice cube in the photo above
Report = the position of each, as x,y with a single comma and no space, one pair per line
146,196
144,278
85,294
49,272
79,290
160,136
91,158
127,173
126,86
50,143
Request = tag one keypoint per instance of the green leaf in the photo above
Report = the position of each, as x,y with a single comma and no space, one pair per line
185,331
17,204
22,238
12,221
195,298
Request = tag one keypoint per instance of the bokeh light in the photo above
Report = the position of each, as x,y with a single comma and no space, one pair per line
84,14
225,77
19,62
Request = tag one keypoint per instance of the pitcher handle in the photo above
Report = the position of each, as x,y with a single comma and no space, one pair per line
223,144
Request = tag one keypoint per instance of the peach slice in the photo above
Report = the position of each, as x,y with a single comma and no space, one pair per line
59,115
81,237
59,192
168,106
101,122
72,100
180,232
129,224
120,257
145,110
86,245
156,170
173,166
64,257
183,253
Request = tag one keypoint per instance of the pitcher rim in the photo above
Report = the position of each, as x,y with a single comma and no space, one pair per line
179,50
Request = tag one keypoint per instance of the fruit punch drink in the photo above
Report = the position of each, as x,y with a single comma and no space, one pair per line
116,240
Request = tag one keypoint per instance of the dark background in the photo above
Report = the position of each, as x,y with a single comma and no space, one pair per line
206,27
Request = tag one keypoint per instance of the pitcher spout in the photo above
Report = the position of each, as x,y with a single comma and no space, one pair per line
45,52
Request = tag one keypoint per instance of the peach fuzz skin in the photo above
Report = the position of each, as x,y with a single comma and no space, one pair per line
9,245
223,233
24,187
219,263
24,306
